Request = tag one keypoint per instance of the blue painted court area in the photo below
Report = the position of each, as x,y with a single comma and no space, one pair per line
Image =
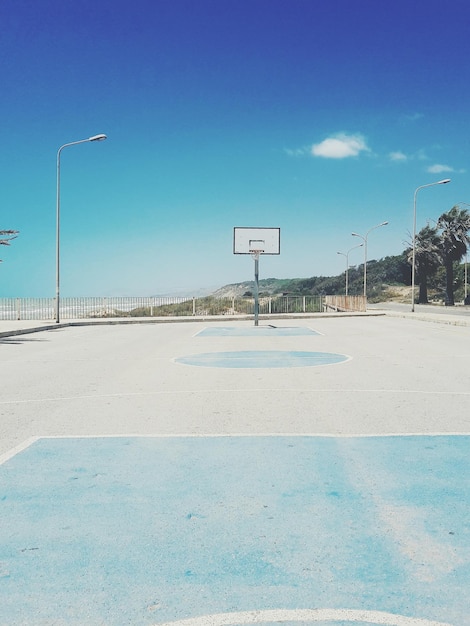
262,359
256,331
331,530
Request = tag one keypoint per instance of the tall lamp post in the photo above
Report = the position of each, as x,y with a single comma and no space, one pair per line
413,261
346,254
57,275
465,297
364,238
466,263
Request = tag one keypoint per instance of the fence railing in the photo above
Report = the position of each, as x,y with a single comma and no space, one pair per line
80,308
345,303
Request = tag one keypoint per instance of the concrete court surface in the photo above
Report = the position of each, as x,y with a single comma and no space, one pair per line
305,513
403,377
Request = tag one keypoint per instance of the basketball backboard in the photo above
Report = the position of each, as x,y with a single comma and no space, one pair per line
247,240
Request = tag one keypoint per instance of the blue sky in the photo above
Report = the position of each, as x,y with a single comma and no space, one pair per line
318,117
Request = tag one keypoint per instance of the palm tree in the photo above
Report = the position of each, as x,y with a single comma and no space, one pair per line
454,226
12,235
427,258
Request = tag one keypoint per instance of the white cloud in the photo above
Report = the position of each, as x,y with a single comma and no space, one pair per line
439,169
397,156
296,152
340,146
413,117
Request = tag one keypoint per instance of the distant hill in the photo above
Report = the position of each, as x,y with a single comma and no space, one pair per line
390,271
387,293
268,286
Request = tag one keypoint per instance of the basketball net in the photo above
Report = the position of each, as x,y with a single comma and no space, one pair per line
255,254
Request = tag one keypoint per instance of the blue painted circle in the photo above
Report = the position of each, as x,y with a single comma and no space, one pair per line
262,359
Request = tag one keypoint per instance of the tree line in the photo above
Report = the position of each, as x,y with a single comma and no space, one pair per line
443,244
439,249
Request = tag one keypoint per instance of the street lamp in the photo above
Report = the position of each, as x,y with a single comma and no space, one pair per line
364,238
465,297
346,254
466,262
57,291
439,182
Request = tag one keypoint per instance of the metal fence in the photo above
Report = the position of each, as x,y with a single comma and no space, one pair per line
81,308
345,303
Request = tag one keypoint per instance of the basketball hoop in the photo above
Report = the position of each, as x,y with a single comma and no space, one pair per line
255,254
256,242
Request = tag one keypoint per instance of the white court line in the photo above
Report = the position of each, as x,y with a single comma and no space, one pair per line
17,449
254,435
258,390
304,615
23,446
